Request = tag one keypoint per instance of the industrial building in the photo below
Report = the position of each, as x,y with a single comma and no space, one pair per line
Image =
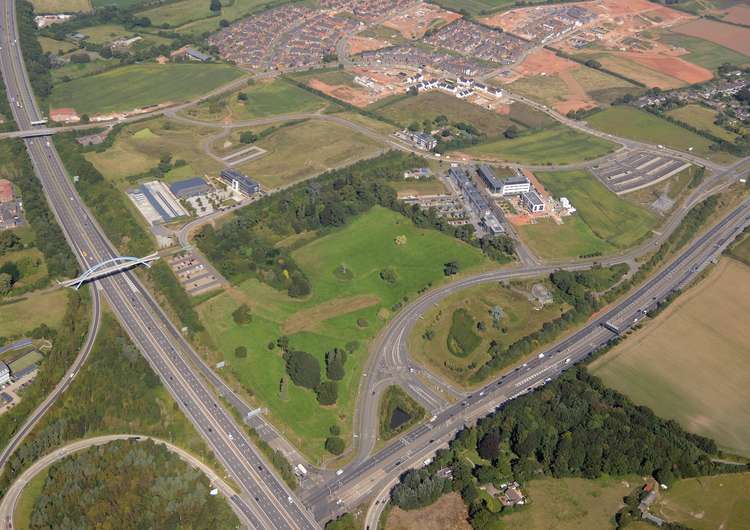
4,374
494,186
239,183
185,189
532,202
156,202
515,185
475,200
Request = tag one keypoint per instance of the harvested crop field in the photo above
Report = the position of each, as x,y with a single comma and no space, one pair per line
691,362
415,21
738,15
733,37
672,66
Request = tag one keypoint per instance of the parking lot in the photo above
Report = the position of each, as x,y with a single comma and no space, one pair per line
635,170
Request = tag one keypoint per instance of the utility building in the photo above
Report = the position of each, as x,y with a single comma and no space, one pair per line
239,183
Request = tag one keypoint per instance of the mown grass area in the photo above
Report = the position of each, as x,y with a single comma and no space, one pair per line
698,343
432,104
612,219
429,342
707,503
264,98
703,52
22,314
140,85
702,118
570,503
55,46
138,148
72,71
61,6
398,412
556,145
340,310
639,125
306,149
572,239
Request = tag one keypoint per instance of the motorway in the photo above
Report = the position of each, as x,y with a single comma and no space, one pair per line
268,502
11,497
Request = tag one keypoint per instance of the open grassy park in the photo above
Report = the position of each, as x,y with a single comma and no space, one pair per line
707,503
135,86
349,303
556,145
263,98
639,125
690,362
434,339
139,146
305,149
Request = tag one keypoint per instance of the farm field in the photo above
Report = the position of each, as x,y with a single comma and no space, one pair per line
54,45
570,503
702,118
30,310
741,250
699,342
105,33
134,86
704,52
631,69
339,310
366,121
572,239
707,503
448,512
304,149
556,145
138,148
612,219
432,104
630,122
520,317
61,6
75,70
265,98
195,16
730,36
481,7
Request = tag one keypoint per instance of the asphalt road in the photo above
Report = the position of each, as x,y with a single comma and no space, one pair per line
269,503
10,500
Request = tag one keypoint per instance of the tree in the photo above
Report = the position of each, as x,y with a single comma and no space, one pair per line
335,430
327,392
388,275
242,315
248,137
450,268
300,286
335,445
215,6
223,23
489,446
6,283
240,352
335,360
303,368
511,132
242,96
9,241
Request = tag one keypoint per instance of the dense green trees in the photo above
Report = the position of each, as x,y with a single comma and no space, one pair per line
303,368
9,241
128,484
335,360
327,392
335,445
242,315
37,62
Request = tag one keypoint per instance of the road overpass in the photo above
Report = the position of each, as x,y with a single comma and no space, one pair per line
109,267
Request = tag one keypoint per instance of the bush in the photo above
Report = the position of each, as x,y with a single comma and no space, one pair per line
248,137
240,352
388,275
335,445
327,392
362,322
335,360
303,368
242,315
450,268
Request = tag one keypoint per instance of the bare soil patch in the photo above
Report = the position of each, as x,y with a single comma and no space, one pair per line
414,22
738,15
365,44
353,96
672,66
448,513
733,37
307,319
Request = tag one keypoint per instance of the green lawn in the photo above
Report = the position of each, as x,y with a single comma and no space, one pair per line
54,46
702,52
61,6
520,317
572,239
265,98
306,149
616,221
639,125
702,118
134,86
707,503
329,317
557,145
31,310
31,492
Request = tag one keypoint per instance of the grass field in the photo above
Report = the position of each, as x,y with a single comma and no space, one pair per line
105,33
702,118
30,263
135,86
557,145
702,52
366,121
447,513
138,148
479,7
61,6
520,318
741,250
570,503
75,70
633,70
197,12
265,98
572,239
612,219
630,122
432,104
330,76
405,188
329,317
54,46
708,503
31,492
690,363
306,149
31,310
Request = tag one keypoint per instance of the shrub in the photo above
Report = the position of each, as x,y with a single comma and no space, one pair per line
335,360
240,352
242,315
303,368
327,392
335,445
